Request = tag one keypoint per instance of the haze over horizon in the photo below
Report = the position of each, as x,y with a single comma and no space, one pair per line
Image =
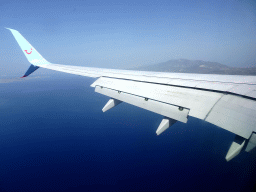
127,34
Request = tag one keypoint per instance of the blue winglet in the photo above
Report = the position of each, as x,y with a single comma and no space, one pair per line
30,70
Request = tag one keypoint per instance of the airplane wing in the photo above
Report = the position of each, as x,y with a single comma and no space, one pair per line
228,101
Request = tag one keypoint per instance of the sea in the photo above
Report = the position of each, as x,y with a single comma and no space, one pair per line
55,137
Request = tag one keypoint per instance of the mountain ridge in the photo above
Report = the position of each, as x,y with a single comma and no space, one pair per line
196,66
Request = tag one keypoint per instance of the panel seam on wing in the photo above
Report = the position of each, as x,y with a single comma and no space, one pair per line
213,107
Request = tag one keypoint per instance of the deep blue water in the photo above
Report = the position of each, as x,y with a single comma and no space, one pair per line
54,137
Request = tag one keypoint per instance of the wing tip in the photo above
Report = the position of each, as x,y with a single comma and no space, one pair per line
9,29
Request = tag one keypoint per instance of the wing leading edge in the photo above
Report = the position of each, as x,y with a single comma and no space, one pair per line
228,101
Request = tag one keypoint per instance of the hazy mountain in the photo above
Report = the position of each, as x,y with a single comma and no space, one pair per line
196,66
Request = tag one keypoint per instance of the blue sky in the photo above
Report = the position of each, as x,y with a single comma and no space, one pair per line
124,34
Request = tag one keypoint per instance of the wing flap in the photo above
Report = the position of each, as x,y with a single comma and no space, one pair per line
231,112
164,109
235,114
199,102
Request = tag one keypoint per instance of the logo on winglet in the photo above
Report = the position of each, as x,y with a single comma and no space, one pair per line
27,51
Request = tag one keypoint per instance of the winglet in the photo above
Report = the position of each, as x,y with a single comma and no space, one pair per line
29,51
30,70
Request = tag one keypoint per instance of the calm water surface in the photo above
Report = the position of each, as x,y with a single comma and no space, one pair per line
54,137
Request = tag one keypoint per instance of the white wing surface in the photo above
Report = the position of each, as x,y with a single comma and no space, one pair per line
228,101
